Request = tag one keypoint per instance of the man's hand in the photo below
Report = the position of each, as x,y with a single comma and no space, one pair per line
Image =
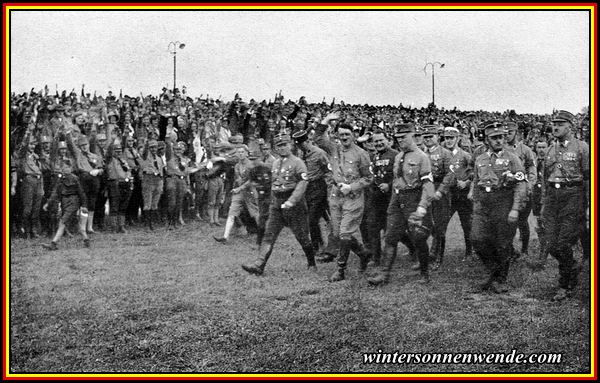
235,190
421,211
331,116
44,208
94,172
470,195
345,188
462,184
287,205
513,216
384,188
438,196
13,191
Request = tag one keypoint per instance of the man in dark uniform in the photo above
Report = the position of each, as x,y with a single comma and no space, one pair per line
443,179
409,213
498,191
462,167
260,177
319,180
528,160
541,146
382,166
288,207
566,199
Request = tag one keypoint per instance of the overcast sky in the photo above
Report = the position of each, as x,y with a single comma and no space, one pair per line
530,61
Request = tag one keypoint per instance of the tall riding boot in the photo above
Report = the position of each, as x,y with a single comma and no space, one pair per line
309,251
258,266
344,253
442,249
363,253
149,218
387,262
112,222
260,233
434,253
525,241
468,248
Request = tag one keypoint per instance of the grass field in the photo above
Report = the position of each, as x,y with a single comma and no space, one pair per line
179,302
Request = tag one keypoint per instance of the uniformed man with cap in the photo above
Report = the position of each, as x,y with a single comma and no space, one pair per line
288,207
350,166
498,191
89,169
461,165
31,184
133,158
260,177
98,147
443,179
48,218
119,184
409,212
566,199
528,160
382,166
152,169
176,171
319,180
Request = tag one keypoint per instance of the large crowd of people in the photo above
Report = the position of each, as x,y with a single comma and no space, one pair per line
378,174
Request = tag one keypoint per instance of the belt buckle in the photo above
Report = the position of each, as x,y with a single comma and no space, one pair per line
156,174
488,189
126,179
557,185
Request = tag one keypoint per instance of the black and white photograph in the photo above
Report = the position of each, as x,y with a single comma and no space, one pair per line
300,191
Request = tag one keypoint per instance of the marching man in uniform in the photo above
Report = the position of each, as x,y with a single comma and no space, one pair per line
288,207
498,191
409,212
566,196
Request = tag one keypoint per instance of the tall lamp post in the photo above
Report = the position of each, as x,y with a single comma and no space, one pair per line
173,46
433,76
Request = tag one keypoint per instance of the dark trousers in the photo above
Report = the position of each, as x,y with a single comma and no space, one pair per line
316,199
492,234
136,201
119,193
296,218
402,205
564,220
464,207
376,213
90,186
32,193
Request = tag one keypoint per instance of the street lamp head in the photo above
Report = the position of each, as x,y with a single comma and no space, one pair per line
443,65
182,45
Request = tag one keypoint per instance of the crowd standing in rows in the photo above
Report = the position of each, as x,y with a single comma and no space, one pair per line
371,171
